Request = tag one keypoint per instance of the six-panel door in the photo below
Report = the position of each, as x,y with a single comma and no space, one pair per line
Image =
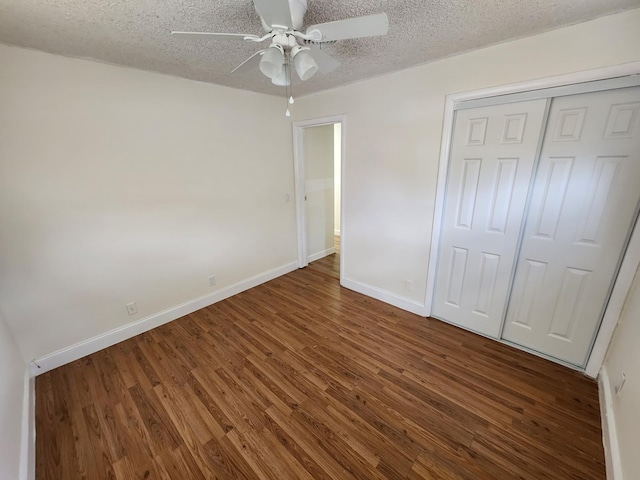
492,157
584,203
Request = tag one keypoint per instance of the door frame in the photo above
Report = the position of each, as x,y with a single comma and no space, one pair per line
571,83
299,183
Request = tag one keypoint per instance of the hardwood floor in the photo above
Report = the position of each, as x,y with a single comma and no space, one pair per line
302,379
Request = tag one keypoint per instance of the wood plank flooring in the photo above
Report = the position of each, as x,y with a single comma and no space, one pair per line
302,379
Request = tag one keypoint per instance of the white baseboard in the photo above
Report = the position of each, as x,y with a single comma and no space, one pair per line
31,434
28,441
322,254
99,342
609,433
384,296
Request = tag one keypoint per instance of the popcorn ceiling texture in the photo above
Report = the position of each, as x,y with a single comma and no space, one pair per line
135,33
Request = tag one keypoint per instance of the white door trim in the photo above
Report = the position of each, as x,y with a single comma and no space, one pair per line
298,169
631,260
621,287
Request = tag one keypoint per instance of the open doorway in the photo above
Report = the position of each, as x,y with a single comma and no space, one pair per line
318,157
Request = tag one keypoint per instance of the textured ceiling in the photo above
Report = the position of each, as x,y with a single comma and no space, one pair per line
135,33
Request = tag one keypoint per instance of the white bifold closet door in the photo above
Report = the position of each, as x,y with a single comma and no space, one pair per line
492,157
583,205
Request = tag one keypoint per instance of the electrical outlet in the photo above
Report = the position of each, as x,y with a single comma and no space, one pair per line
132,308
212,281
408,285
620,384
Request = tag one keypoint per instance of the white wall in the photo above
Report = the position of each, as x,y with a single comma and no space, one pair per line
393,134
319,184
624,356
12,377
118,185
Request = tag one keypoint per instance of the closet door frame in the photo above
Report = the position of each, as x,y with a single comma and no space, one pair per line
614,77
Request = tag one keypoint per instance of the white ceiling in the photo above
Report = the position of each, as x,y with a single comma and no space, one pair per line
135,33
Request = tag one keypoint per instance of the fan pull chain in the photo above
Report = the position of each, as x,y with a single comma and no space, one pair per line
288,92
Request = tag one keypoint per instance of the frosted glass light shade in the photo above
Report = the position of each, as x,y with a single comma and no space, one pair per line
305,65
272,62
281,79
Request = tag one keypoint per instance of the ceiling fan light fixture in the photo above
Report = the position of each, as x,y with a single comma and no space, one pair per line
272,61
305,65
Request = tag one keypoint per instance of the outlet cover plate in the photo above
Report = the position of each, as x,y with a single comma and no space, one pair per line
132,308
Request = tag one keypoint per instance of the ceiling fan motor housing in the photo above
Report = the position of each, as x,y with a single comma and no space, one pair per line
320,44
286,41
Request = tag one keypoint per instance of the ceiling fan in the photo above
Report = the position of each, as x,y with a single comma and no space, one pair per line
282,19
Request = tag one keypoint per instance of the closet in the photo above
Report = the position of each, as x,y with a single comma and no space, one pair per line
541,198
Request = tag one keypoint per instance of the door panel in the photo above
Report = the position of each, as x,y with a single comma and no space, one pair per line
584,201
492,157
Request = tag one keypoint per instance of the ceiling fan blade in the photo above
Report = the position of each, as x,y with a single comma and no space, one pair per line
215,36
250,63
369,26
274,12
326,63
